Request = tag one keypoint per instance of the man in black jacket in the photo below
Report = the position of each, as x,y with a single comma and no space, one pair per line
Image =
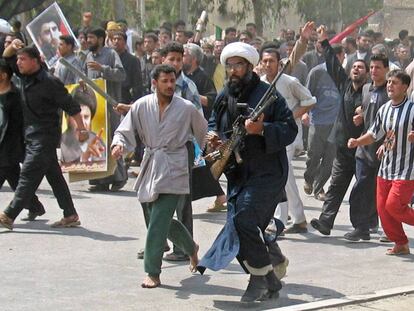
42,96
374,95
344,128
193,56
11,137
132,87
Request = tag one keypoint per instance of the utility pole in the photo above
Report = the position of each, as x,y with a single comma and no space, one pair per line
118,7
142,11
140,6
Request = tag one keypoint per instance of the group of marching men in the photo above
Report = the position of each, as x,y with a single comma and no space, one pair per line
340,103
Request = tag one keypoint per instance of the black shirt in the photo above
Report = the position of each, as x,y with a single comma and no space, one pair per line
205,87
43,95
11,128
132,87
344,127
209,65
372,99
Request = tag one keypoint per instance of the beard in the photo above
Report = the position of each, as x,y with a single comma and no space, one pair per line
236,85
93,48
358,79
186,68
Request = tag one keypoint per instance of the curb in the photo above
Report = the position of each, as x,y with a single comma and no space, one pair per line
348,300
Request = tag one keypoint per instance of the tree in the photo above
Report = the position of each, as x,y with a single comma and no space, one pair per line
261,9
118,7
10,8
336,13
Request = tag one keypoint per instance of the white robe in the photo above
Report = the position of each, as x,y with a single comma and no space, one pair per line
164,168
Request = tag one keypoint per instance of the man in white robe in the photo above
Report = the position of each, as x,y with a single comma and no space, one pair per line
163,122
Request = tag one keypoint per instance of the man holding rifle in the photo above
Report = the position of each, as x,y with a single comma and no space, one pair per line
256,184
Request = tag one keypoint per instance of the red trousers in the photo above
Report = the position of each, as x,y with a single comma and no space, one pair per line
393,197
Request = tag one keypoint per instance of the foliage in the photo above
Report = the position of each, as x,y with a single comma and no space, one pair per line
102,11
336,12
161,11
333,13
10,8
262,9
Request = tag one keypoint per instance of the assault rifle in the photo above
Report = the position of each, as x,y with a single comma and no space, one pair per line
222,155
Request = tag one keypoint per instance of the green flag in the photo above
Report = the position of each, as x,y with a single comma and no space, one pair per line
218,33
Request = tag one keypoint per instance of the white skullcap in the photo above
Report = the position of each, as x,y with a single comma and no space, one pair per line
240,49
5,26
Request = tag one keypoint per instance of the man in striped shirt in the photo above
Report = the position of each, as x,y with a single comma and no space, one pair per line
395,181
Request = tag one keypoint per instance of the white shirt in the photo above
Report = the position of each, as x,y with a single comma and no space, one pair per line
361,55
295,94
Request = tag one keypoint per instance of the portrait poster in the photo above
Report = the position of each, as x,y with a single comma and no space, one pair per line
92,155
45,30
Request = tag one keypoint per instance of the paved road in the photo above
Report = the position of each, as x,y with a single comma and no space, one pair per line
397,303
95,267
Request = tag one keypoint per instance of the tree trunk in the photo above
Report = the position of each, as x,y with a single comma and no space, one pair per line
86,6
118,9
140,5
258,15
184,10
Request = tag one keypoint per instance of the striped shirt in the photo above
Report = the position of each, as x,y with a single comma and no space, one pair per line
395,123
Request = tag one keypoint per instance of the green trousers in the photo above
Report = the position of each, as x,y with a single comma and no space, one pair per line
161,225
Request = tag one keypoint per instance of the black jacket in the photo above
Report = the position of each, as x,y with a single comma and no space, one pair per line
205,87
11,128
43,95
372,99
344,127
132,87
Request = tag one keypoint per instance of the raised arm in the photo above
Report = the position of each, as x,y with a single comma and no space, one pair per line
333,66
300,46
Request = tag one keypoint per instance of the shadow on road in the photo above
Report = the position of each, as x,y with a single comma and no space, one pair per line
292,289
198,286
40,227
314,238
121,193
49,193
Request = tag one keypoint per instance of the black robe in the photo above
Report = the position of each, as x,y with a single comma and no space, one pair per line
254,187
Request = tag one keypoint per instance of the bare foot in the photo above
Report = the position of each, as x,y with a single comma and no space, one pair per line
399,250
151,282
221,199
194,259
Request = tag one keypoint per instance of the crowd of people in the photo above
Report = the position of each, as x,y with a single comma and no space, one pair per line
347,106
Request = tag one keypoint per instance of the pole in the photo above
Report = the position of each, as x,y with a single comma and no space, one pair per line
184,10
